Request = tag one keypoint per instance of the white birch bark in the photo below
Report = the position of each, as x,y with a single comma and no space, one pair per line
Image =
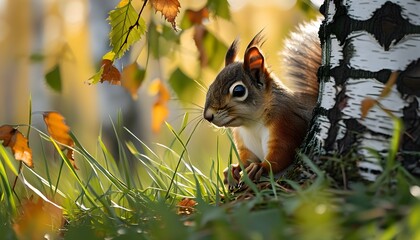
357,62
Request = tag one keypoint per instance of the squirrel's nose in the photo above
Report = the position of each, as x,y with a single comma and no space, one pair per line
209,114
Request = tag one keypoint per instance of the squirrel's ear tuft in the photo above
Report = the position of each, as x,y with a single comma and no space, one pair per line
254,61
258,40
232,52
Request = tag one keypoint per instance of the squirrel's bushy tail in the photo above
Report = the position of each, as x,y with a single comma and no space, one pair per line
301,58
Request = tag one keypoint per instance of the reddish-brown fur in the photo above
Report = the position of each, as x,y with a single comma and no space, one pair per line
284,110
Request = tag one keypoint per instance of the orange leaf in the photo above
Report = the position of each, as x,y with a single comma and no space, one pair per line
186,206
37,219
110,73
367,104
18,143
197,17
132,78
159,110
159,113
57,128
59,131
20,148
388,86
168,8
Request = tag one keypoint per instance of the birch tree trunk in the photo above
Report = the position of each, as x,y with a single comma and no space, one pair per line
363,42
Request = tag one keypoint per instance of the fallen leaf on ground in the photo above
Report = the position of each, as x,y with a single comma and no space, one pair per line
186,206
38,219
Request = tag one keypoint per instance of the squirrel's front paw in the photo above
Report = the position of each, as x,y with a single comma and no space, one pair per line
254,171
232,180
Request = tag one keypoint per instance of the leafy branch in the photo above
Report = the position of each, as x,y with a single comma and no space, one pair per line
136,24
127,27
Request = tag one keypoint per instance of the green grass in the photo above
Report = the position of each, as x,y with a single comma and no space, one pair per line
106,198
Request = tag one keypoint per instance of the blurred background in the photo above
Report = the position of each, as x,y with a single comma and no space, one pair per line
38,35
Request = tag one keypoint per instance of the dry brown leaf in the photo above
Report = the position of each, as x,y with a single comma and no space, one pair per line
59,131
132,78
367,104
388,86
110,73
186,206
18,143
6,134
20,149
197,17
160,109
200,32
37,219
57,128
168,8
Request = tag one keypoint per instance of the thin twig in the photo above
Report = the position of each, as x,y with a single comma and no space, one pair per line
136,24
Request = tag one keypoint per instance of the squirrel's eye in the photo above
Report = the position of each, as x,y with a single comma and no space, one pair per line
239,91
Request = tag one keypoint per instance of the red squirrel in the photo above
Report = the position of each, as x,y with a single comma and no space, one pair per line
269,117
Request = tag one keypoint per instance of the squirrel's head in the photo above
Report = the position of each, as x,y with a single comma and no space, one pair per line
237,94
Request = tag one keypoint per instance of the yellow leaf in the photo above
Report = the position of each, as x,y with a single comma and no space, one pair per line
168,8
14,139
159,110
159,114
122,3
109,56
366,105
59,131
154,87
132,78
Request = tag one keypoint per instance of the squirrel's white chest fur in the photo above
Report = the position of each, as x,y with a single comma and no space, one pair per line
255,138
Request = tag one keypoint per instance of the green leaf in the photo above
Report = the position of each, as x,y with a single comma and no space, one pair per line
182,84
215,50
37,57
220,8
125,30
97,77
53,78
161,39
185,22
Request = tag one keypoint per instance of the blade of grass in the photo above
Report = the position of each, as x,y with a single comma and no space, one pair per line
183,151
92,161
73,171
47,182
5,182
